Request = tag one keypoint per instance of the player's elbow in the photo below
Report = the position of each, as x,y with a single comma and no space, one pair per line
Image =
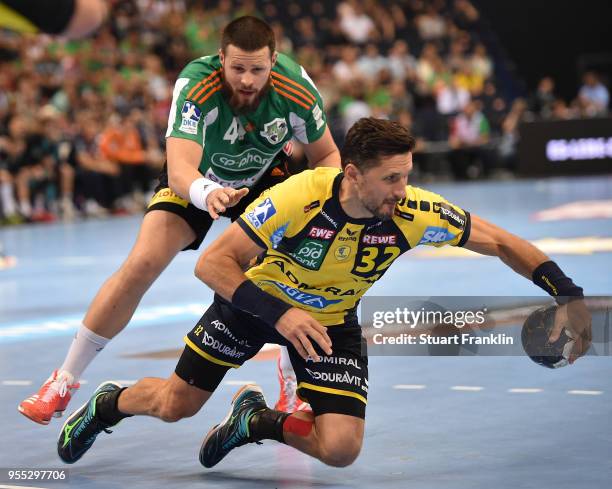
204,267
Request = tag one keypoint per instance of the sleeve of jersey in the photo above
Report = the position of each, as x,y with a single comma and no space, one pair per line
191,110
273,214
308,119
441,223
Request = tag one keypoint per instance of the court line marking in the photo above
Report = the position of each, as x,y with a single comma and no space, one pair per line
467,388
460,388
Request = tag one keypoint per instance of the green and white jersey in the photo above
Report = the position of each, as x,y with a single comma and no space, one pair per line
239,149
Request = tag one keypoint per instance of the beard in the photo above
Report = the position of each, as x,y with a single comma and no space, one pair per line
235,101
379,211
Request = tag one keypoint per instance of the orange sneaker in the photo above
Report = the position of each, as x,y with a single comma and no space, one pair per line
50,401
288,400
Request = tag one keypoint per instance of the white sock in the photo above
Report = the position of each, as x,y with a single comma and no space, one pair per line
285,363
84,348
8,200
25,208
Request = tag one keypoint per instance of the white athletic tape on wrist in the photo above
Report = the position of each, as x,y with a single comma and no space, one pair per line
199,191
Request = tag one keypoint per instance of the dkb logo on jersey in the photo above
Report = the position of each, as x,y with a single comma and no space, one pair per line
310,253
261,213
435,234
275,130
190,115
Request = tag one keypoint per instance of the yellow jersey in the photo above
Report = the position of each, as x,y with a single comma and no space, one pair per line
321,260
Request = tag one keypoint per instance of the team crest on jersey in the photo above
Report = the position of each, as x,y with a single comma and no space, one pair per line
275,130
190,117
261,213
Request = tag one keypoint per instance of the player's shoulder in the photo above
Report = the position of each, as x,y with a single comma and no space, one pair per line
291,81
201,68
204,80
426,207
309,186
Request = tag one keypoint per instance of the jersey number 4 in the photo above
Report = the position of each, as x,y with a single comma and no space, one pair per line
234,131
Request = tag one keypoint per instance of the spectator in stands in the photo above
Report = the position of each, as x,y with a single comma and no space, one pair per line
400,61
356,25
541,102
468,138
593,96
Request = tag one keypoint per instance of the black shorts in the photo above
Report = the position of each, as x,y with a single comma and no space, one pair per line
200,221
50,17
226,337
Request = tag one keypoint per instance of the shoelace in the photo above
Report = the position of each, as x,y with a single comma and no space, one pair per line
57,386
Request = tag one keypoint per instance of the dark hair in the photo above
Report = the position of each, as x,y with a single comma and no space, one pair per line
370,138
249,34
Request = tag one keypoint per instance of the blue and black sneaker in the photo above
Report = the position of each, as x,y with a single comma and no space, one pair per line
234,430
83,426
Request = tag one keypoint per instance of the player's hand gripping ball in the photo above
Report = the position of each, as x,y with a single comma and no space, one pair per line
535,338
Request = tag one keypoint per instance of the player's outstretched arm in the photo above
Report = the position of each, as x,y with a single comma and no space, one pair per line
184,158
220,267
530,262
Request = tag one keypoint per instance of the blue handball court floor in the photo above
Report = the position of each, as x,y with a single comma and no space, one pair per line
432,422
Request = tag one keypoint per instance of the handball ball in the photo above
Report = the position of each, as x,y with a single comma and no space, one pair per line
534,337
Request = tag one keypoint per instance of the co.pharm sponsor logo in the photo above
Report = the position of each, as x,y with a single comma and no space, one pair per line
310,253
264,211
434,234
312,300
250,159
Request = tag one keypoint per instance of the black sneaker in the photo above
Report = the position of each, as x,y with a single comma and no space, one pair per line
83,426
233,431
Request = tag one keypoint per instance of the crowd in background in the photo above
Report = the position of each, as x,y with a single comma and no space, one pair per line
82,123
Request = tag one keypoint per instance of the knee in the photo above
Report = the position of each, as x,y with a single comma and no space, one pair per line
141,269
340,453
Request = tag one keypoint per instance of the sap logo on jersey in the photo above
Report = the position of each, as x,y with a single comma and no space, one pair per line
321,233
435,234
190,116
312,300
261,213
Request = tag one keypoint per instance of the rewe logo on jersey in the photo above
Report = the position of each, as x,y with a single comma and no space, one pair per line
322,233
434,234
275,130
